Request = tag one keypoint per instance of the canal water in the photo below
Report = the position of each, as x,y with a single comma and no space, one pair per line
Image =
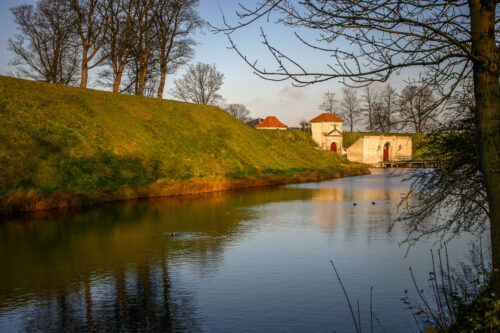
252,261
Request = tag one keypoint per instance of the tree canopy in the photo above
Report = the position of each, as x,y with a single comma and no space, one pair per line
200,85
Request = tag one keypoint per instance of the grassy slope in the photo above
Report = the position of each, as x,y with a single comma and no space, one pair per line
417,140
56,138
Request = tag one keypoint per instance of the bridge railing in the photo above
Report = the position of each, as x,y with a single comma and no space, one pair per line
402,158
409,164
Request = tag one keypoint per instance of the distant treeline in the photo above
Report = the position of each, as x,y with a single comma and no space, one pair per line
413,109
134,43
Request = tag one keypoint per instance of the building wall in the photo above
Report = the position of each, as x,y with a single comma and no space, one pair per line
337,139
271,128
373,149
318,129
370,149
355,151
404,147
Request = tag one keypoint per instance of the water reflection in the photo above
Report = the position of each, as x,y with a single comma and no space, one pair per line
107,267
372,199
245,261
133,301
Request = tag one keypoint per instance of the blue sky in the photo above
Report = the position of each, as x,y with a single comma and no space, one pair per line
290,104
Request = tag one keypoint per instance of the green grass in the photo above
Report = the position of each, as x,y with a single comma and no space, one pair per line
418,148
56,138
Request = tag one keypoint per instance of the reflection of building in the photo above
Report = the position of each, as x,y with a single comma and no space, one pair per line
378,148
271,123
334,202
328,194
327,132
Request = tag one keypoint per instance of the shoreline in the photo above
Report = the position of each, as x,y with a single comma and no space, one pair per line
33,202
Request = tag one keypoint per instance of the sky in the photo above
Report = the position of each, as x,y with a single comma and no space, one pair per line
262,97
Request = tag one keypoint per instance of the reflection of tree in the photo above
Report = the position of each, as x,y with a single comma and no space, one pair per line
121,299
166,296
88,304
138,303
58,314
108,268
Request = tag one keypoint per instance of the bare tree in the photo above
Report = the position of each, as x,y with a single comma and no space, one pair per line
370,99
45,48
144,41
305,125
462,104
379,117
92,22
457,188
389,108
175,21
135,68
120,40
417,107
199,85
450,40
140,41
382,109
162,43
239,111
350,108
329,102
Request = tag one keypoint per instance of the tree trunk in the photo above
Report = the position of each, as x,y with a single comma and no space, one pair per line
85,68
142,80
161,88
487,94
85,76
118,79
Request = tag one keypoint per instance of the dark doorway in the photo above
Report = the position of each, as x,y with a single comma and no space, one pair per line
386,151
333,147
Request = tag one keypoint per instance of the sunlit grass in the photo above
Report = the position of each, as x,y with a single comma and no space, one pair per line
63,139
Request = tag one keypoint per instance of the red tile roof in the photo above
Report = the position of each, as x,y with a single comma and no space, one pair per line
326,117
271,122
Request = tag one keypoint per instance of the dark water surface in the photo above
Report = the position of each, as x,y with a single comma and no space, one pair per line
254,261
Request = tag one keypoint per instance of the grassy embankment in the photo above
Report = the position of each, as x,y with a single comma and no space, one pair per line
63,146
418,149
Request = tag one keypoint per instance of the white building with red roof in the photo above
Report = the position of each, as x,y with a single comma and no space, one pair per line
327,131
271,123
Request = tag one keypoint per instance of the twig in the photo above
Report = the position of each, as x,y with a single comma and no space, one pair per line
371,309
346,297
359,317
379,323
449,302
419,293
437,294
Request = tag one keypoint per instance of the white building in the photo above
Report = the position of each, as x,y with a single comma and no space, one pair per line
326,131
271,122
373,149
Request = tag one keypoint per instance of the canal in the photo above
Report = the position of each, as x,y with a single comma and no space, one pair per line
251,261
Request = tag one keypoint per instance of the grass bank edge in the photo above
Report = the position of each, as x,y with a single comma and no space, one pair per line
17,201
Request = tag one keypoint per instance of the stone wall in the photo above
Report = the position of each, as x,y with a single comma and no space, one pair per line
370,149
